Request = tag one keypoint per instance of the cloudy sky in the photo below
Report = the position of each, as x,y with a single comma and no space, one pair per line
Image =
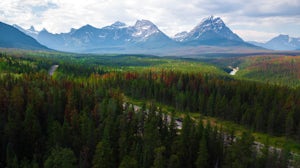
257,20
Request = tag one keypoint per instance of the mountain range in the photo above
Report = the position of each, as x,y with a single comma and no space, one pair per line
143,37
118,37
210,35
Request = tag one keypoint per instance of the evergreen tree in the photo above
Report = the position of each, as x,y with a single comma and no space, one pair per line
103,157
128,162
241,151
60,157
174,162
32,132
159,158
202,159
11,157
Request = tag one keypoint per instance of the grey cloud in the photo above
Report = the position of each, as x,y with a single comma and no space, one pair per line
254,8
45,7
283,12
271,8
221,6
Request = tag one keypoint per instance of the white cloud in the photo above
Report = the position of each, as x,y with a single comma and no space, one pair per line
171,16
249,35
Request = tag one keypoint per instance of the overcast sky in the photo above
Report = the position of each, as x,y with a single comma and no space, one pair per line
257,20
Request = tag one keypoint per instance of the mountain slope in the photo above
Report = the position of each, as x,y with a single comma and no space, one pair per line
11,37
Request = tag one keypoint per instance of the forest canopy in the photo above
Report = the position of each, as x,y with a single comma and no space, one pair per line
79,117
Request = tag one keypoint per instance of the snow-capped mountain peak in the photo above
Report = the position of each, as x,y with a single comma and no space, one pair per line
144,29
143,23
210,23
211,28
211,20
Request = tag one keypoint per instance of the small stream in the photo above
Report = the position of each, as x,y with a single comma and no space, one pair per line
234,70
53,69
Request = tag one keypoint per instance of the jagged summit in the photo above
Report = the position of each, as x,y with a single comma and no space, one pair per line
144,29
210,23
32,28
141,23
211,28
32,32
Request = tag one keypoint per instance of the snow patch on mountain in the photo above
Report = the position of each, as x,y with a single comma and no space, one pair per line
180,36
209,28
144,29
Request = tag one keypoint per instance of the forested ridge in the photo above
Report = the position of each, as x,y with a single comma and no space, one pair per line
80,118
261,107
274,69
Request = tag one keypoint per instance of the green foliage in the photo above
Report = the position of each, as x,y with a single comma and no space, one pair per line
60,157
269,68
202,159
128,162
159,158
103,155
243,102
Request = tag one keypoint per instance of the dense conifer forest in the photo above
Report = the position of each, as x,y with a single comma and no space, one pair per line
79,116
